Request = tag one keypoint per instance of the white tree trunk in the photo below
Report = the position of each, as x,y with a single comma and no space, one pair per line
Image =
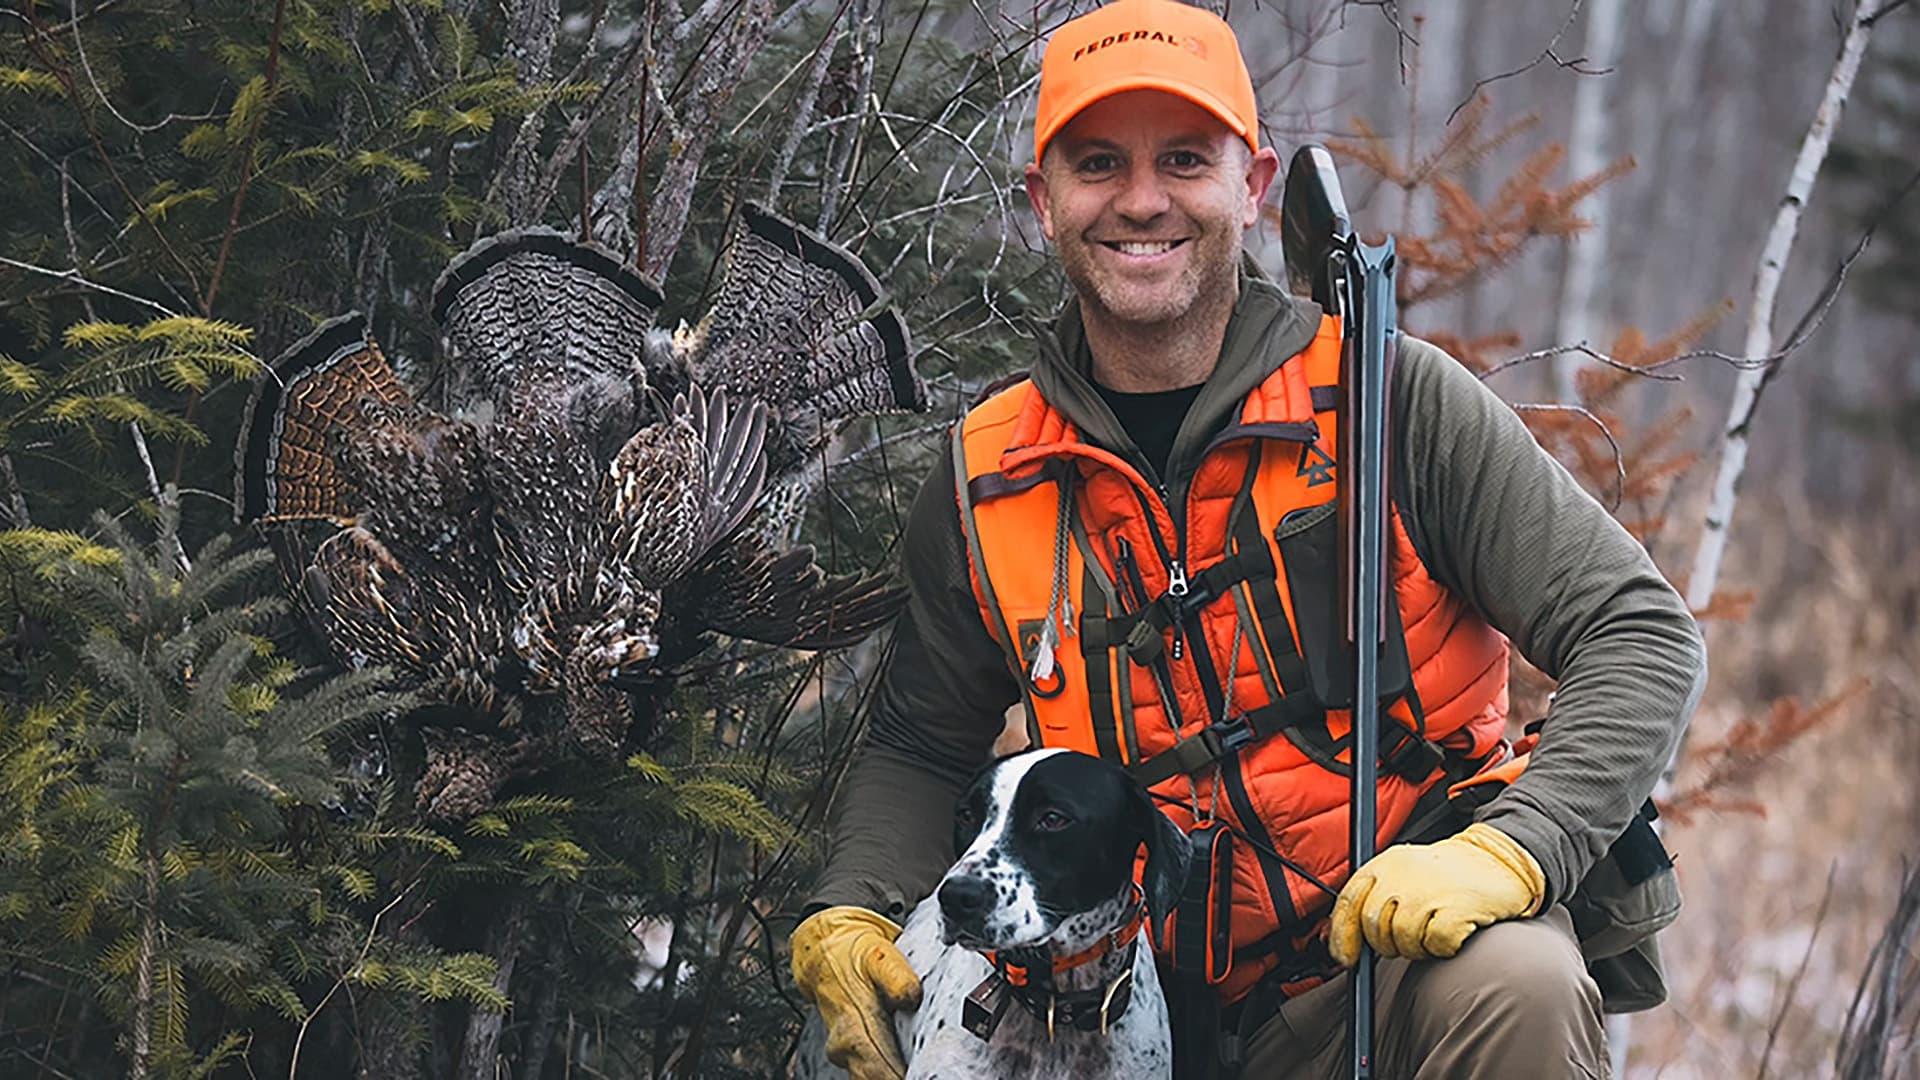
1766,290
1587,153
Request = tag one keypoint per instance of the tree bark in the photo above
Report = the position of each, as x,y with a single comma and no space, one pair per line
18,516
803,109
838,176
546,1014
530,40
1587,153
481,1046
142,1062
720,70
1766,288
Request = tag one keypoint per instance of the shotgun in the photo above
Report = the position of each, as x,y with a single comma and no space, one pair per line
1353,280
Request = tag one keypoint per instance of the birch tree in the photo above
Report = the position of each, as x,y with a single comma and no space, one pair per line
1588,150
1759,341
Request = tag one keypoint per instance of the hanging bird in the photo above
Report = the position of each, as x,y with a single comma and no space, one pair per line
575,519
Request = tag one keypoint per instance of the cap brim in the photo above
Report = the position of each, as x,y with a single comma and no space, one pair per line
1197,95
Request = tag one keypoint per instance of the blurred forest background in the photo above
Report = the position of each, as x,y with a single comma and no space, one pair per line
209,859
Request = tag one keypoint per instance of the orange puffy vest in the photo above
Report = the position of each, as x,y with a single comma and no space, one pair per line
1196,644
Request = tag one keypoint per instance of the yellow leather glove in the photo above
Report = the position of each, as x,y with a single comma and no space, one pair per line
845,963
1422,901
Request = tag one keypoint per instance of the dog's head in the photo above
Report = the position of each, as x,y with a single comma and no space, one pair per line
1048,834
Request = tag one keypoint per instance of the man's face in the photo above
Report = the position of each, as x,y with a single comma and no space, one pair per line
1146,196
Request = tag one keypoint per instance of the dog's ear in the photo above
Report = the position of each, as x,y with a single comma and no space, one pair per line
1168,855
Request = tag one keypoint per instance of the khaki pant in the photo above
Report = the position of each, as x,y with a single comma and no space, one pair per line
1515,1003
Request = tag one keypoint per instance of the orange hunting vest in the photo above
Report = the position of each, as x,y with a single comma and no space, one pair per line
1195,644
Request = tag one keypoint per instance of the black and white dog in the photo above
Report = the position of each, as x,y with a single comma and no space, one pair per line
1031,953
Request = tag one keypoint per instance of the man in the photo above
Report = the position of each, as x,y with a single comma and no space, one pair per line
1138,542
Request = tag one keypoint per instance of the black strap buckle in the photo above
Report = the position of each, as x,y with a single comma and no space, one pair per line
1230,736
1413,758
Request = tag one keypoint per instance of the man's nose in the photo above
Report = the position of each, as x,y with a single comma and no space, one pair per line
1144,196
964,899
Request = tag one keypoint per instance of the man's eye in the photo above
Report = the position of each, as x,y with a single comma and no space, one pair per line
1185,159
1051,821
1099,163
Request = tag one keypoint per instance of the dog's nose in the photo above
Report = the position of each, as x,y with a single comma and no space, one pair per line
965,899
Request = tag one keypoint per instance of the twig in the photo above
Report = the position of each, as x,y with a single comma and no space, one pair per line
1803,328
1390,11
1619,462
1576,65
1793,984
373,929
1588,350
37,45
76,277
80,47
1862,1050
178,551
246,159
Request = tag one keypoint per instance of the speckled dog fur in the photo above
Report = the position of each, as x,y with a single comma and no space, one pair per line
1137,1045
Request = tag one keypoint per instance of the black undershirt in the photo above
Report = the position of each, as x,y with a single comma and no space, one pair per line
1151,419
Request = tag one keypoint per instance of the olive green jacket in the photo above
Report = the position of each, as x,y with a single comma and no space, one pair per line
1494,518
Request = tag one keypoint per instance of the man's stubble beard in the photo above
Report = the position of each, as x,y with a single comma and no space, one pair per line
1205,283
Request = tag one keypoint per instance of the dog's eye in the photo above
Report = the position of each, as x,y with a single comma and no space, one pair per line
1051,821
964,817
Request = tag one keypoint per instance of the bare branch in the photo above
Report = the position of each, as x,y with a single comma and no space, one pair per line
1389,10
373,929
719,69
77,278
817,65
628,70
1619,460
1793,984
1885,10
80,47
844,161
1583,348
1803,328
1578,65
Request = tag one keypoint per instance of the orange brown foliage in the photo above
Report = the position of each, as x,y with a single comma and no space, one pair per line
1733,763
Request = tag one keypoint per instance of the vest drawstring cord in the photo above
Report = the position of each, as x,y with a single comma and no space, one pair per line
1059,622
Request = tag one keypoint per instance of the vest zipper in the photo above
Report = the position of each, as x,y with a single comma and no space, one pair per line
1231,770
1132,591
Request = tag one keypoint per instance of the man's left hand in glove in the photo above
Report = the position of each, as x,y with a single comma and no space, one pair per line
1422,901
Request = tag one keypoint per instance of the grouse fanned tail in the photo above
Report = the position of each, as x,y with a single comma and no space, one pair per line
799,323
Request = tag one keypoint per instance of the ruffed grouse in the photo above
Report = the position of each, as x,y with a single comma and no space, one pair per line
577,521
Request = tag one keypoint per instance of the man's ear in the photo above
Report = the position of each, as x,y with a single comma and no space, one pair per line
1262,167
1167,857
1037,198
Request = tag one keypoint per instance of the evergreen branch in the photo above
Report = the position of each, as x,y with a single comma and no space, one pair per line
246,161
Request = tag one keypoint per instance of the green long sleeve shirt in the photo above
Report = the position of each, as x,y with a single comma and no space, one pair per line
1495,519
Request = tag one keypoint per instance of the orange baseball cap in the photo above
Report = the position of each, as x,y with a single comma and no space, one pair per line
1144,45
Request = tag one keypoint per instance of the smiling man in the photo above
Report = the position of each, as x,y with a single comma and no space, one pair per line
1137,541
